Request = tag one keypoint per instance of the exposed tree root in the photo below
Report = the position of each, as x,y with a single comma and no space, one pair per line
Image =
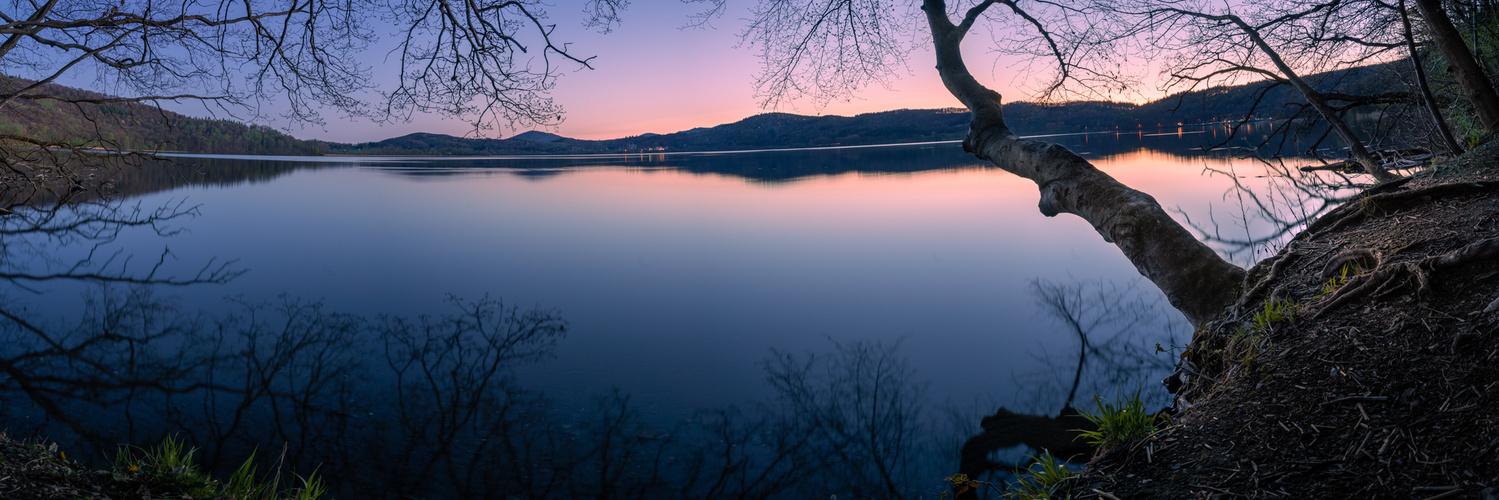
1276,269
1381,388
1370,260
1377,201
1478,250
1385,280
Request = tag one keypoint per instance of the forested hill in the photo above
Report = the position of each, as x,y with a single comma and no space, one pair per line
137,127
783,130
146,128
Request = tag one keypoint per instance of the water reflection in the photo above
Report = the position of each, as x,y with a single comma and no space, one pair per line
390,406
766,167
441,405
430,409
1125,340
1267,214
402,407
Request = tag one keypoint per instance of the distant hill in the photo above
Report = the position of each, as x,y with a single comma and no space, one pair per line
784,130
143,127
535,136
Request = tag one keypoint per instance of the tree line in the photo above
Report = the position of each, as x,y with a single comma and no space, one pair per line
143,127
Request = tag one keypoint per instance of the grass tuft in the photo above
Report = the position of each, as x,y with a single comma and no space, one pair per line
1275,311
1118,421
1042,481
169,466
1348,271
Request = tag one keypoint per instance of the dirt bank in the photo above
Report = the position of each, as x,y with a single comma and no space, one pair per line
1384,385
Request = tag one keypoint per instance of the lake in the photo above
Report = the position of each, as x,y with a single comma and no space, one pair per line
694,324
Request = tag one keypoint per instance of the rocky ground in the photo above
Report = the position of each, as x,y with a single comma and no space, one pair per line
1384,384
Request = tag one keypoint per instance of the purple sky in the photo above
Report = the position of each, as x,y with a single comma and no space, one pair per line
651,76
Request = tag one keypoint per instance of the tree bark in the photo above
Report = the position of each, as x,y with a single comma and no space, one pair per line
1195,279
1464,67
1421,81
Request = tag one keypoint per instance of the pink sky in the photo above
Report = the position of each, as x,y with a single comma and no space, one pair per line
651,76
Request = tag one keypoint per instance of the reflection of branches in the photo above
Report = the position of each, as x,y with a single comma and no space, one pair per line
442,414
107,358
748,457
1118,329
1269,215
281,366
451,383
1115,327
1108,311
861,404
109,354
73,243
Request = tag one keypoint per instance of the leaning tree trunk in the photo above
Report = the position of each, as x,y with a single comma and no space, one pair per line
1464,67
1195,279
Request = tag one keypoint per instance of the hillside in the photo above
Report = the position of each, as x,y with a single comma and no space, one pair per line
138,127
785,130
1380,380
146,128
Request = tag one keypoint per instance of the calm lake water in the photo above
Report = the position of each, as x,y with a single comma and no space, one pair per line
682,283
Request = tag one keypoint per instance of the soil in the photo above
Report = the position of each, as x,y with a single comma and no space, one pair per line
37,471
1383,386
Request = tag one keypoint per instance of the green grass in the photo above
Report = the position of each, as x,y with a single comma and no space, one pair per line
169,466
1118,421
1275,311
1347,272
1249,340
1043,481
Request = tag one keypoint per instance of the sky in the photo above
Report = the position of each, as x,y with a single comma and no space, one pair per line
650,75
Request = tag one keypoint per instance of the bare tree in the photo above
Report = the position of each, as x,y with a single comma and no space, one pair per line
488,61
1211,43
1195,279
1463,66
1425,84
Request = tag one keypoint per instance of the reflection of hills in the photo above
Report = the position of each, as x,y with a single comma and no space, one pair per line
186,172
791,165
780,166
756,166
129,179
